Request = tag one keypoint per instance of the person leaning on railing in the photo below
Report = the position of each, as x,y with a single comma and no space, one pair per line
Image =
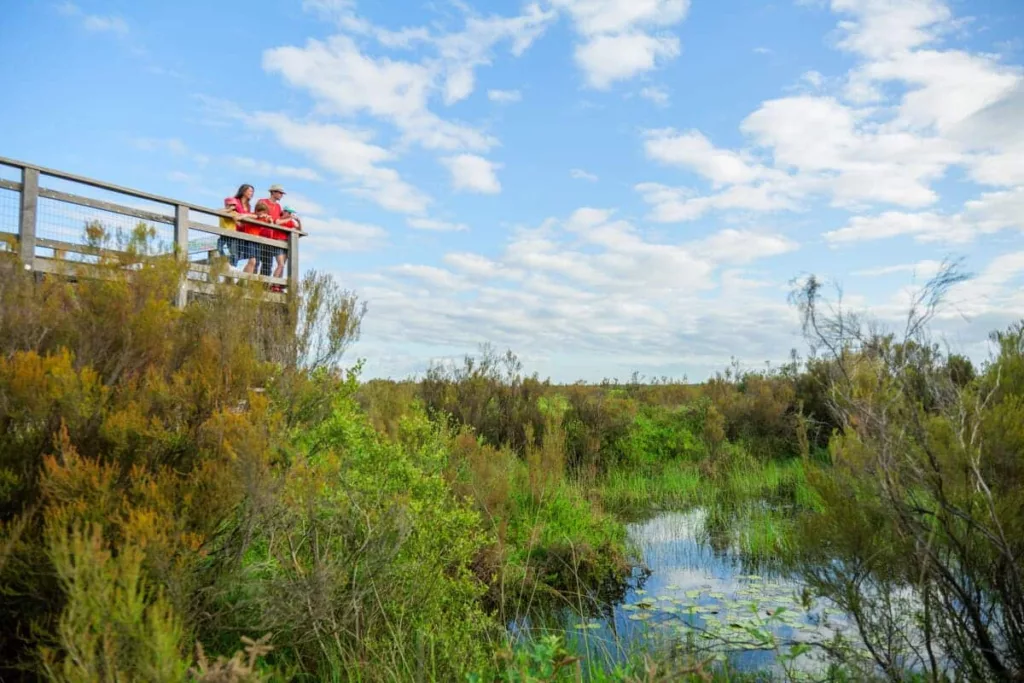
260,256
239,205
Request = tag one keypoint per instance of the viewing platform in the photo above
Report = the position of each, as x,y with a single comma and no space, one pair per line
44,214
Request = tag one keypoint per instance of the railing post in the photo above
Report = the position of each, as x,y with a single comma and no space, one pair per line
28,217
181,251
293,264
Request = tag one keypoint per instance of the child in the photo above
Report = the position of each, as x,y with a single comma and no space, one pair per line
251,250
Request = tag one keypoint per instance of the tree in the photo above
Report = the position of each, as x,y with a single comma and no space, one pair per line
925,500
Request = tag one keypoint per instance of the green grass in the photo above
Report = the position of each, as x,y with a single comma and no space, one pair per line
677,484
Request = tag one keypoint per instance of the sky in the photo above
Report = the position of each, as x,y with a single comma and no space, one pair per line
601,186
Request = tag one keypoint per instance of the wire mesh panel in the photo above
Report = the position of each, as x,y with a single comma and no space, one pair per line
10,208
62,225
10,202
247,250
74,219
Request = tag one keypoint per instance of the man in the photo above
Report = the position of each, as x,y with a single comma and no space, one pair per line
274,202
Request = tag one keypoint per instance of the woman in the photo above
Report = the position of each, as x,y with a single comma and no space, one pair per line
250,251
239,205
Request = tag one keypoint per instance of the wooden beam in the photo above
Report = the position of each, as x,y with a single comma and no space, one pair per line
28,216
293,264
181,224
106,206
98,184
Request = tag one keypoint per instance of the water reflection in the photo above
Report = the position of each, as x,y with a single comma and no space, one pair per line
690,592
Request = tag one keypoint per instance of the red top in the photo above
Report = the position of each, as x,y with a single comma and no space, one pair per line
235,204
251,229
286,223
274,207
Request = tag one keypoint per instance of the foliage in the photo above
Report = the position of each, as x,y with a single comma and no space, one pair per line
923,510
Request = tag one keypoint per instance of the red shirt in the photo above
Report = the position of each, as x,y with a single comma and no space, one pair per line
287,223
274,207
252,229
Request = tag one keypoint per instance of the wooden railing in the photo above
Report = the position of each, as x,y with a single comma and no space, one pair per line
46,226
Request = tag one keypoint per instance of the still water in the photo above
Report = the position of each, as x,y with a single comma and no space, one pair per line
705,597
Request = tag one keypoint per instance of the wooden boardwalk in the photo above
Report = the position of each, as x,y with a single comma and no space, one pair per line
44,214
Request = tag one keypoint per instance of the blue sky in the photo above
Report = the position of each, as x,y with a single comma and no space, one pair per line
600,185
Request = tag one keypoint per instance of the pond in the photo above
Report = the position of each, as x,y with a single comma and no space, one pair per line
690,592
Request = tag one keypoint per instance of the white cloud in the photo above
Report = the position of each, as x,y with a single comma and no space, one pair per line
813,78
436,225
598,17
880,28
655,94
991,213
909,112
431,276
694,151
763,50
348,82
673,204
743,246
463,52
473,173
593,285
504,96
268,169
347,153
997,137
340,235
609,58
623,38
580,174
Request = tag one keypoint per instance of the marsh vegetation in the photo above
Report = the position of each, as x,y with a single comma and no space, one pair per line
211,494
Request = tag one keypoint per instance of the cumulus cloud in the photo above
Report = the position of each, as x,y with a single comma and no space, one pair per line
269,169
991,213
348,80
621,39
334,234
596,284
908,113
347,153
473,173
694,151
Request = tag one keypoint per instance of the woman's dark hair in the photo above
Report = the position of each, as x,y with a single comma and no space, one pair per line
240,195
